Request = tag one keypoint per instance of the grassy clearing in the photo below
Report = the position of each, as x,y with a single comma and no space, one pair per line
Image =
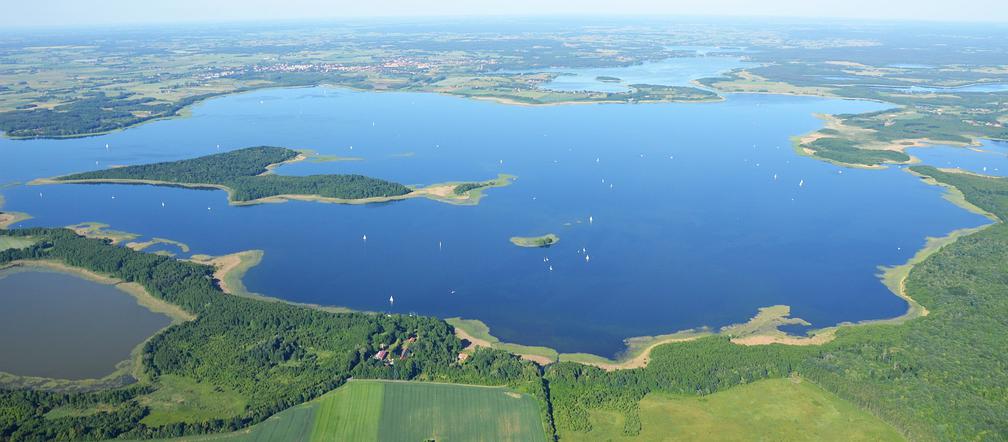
10,242
182,400
101,230
184,248
773,409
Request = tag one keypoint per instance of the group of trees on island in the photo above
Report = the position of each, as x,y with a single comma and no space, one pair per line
937,377
243,171
463,188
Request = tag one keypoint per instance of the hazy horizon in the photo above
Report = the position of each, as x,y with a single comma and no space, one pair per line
71,13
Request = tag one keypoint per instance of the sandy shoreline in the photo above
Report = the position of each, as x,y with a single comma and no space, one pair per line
8,219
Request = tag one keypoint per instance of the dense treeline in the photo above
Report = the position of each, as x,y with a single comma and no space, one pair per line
243,171
92,114
461,189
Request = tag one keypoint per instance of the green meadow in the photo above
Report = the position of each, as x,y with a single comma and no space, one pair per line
771,409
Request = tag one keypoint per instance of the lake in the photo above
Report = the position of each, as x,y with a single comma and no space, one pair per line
62,326
679,71
990,158
689,226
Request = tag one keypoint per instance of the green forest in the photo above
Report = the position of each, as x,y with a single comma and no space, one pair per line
938,377
244,172
92,114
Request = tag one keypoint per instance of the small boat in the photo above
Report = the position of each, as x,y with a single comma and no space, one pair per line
801,183
589,219
364,237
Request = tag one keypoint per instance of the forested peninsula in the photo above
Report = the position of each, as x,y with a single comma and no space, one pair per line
273,355
244,173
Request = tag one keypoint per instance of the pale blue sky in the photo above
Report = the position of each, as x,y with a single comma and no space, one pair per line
102,12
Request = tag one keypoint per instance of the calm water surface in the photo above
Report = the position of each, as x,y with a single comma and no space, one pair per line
62,326
991,158
678,71
689,226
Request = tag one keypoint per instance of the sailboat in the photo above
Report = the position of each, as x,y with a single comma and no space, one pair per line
801,183
162,203
391,300
587,258
364,237
589,219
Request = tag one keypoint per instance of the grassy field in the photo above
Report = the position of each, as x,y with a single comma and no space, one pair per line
773,409
350,413
292,425
182,400
400,411
413,411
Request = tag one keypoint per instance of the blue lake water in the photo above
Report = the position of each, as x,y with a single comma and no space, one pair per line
689,227
991,158
982,88
670,72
